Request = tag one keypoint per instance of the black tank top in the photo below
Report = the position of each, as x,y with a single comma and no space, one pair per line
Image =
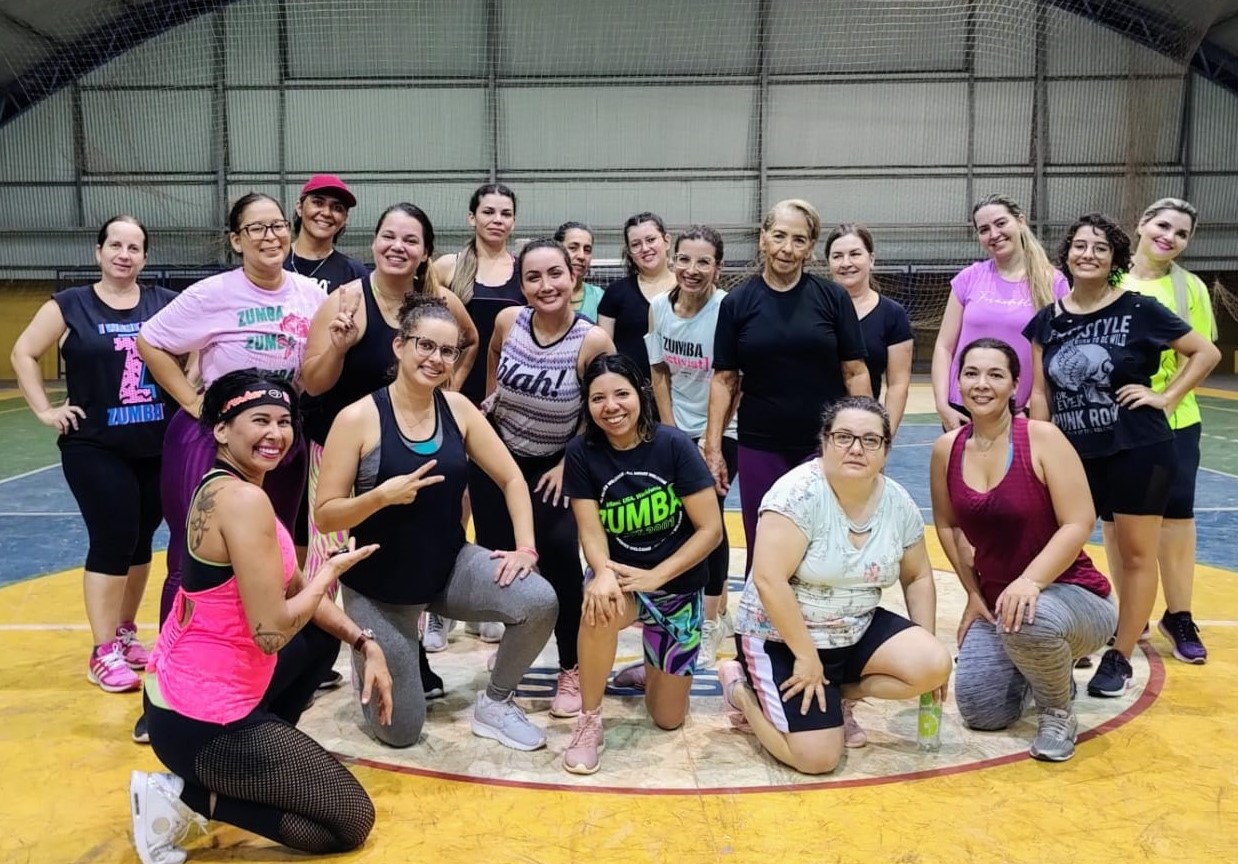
419,542
368,365
488,301
125,410
199,574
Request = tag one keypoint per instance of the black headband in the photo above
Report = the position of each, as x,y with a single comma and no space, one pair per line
252,399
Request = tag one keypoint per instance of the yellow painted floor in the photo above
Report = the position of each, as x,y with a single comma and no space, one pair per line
1161,786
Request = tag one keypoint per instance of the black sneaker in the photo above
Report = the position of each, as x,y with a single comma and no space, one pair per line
333,681
431,684
1084,662
1113,676
141,735
1179,628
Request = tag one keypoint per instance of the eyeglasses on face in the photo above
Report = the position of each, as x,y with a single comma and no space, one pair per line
427,347
845,440
687,262
258,230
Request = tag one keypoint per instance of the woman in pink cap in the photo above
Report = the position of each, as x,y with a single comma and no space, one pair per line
319,222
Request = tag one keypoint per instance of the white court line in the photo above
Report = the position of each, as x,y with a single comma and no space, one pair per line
65,513
51,628
27,473
1201,468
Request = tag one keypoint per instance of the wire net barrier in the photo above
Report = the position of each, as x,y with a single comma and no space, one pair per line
896,113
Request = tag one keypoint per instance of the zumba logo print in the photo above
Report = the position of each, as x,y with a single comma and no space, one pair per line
138,396
545,383
650,515
294,330
684,355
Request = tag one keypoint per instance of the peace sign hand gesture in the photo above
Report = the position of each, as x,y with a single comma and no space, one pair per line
403,489
343,328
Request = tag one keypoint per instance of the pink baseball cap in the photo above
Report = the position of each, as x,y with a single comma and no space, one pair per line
330,183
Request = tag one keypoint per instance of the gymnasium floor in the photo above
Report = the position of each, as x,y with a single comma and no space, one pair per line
1154,777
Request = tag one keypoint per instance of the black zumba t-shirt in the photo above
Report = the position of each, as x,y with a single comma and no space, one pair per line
788,347
885,324
639,494
625,302
1088,357
330,272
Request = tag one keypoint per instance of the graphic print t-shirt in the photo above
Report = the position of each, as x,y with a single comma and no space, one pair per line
639,494
125,410
330,272
1089,357
237,325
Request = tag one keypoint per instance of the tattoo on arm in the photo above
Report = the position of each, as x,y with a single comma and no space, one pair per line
270,641
203,508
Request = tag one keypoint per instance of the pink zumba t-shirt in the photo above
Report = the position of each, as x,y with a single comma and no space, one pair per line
996,308
234,324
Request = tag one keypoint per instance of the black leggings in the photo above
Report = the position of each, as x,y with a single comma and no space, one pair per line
719,560
267,777
554,530
119,500
300,667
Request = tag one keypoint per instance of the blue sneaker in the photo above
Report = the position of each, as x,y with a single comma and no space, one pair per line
1113,677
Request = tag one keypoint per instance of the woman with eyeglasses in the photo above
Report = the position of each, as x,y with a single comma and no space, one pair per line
643,499
537,357
682,324
624,310
833,533
393,473
256,316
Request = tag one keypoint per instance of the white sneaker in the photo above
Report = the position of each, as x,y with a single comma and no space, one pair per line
435,636
727,622
161,821
711,638
506,723
486,631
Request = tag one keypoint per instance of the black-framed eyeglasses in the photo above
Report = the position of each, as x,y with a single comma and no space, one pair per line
427,347
258,230
845,440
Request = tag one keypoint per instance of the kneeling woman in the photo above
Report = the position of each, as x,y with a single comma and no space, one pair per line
393,472
1035,603
241,600
832,533
644,504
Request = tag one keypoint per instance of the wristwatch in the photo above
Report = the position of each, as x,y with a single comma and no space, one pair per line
366,636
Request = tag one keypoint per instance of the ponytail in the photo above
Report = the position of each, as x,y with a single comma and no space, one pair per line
1040,273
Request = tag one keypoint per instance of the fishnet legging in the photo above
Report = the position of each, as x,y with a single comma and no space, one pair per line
279,783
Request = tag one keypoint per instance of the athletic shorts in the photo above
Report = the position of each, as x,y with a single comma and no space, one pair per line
672,629
1182,493
767,664
1134,482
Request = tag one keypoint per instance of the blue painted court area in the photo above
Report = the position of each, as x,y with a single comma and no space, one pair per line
41,531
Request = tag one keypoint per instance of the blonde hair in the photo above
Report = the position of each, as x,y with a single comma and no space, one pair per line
1179,204
1036,264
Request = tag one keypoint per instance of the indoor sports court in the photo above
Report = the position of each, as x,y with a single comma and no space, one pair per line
895,114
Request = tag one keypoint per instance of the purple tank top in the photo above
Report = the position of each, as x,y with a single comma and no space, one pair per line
1012,522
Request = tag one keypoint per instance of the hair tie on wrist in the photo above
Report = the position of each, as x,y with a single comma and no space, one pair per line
528,551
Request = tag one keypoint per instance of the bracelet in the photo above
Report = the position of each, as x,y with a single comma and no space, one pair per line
528,550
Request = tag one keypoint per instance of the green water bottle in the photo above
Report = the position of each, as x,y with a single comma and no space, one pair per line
928,723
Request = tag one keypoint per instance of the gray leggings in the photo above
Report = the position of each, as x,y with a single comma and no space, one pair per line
527,606
995,670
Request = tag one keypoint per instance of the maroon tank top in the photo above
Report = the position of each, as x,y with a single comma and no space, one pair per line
1012,522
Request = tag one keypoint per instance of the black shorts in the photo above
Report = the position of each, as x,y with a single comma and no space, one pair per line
1134,482
1182,493
767,664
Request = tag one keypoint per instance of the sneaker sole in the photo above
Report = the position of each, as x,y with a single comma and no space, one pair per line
112,688
435,693
584,770
1192,661
137,789
495,735
564,715
434,650
1109,694
1048,757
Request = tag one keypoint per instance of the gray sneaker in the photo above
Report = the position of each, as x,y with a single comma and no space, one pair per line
505,722
435,636
1055,735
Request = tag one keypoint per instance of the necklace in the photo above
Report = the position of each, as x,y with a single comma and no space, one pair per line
309,275
985,445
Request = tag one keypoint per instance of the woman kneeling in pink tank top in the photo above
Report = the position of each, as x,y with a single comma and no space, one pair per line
1035,602
233,753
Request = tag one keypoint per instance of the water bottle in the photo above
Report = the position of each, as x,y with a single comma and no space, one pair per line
928,723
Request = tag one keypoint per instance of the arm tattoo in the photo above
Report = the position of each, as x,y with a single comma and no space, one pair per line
203,508
270,641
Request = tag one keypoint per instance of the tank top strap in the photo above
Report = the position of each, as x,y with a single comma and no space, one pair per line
1022,444
954,468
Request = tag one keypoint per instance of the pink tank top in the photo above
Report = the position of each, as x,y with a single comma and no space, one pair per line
1012,522
209,668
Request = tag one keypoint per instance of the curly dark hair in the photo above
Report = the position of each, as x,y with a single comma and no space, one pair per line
1119,242
627,368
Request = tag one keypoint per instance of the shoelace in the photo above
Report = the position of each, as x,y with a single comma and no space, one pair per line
569,683
1184,629
113,659
578,734
1053,724
435,624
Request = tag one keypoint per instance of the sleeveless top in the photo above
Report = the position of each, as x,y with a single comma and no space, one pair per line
418,542
368,365
1011,523
538,396
126,411
209,668
484,307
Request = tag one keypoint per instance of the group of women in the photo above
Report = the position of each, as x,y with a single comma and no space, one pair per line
326,426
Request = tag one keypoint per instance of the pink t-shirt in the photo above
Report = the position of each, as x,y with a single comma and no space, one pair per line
996,308
234,324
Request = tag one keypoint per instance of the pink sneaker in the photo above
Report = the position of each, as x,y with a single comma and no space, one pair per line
731,675
631,677
854,735
130,648
567,694
588,741
109,670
